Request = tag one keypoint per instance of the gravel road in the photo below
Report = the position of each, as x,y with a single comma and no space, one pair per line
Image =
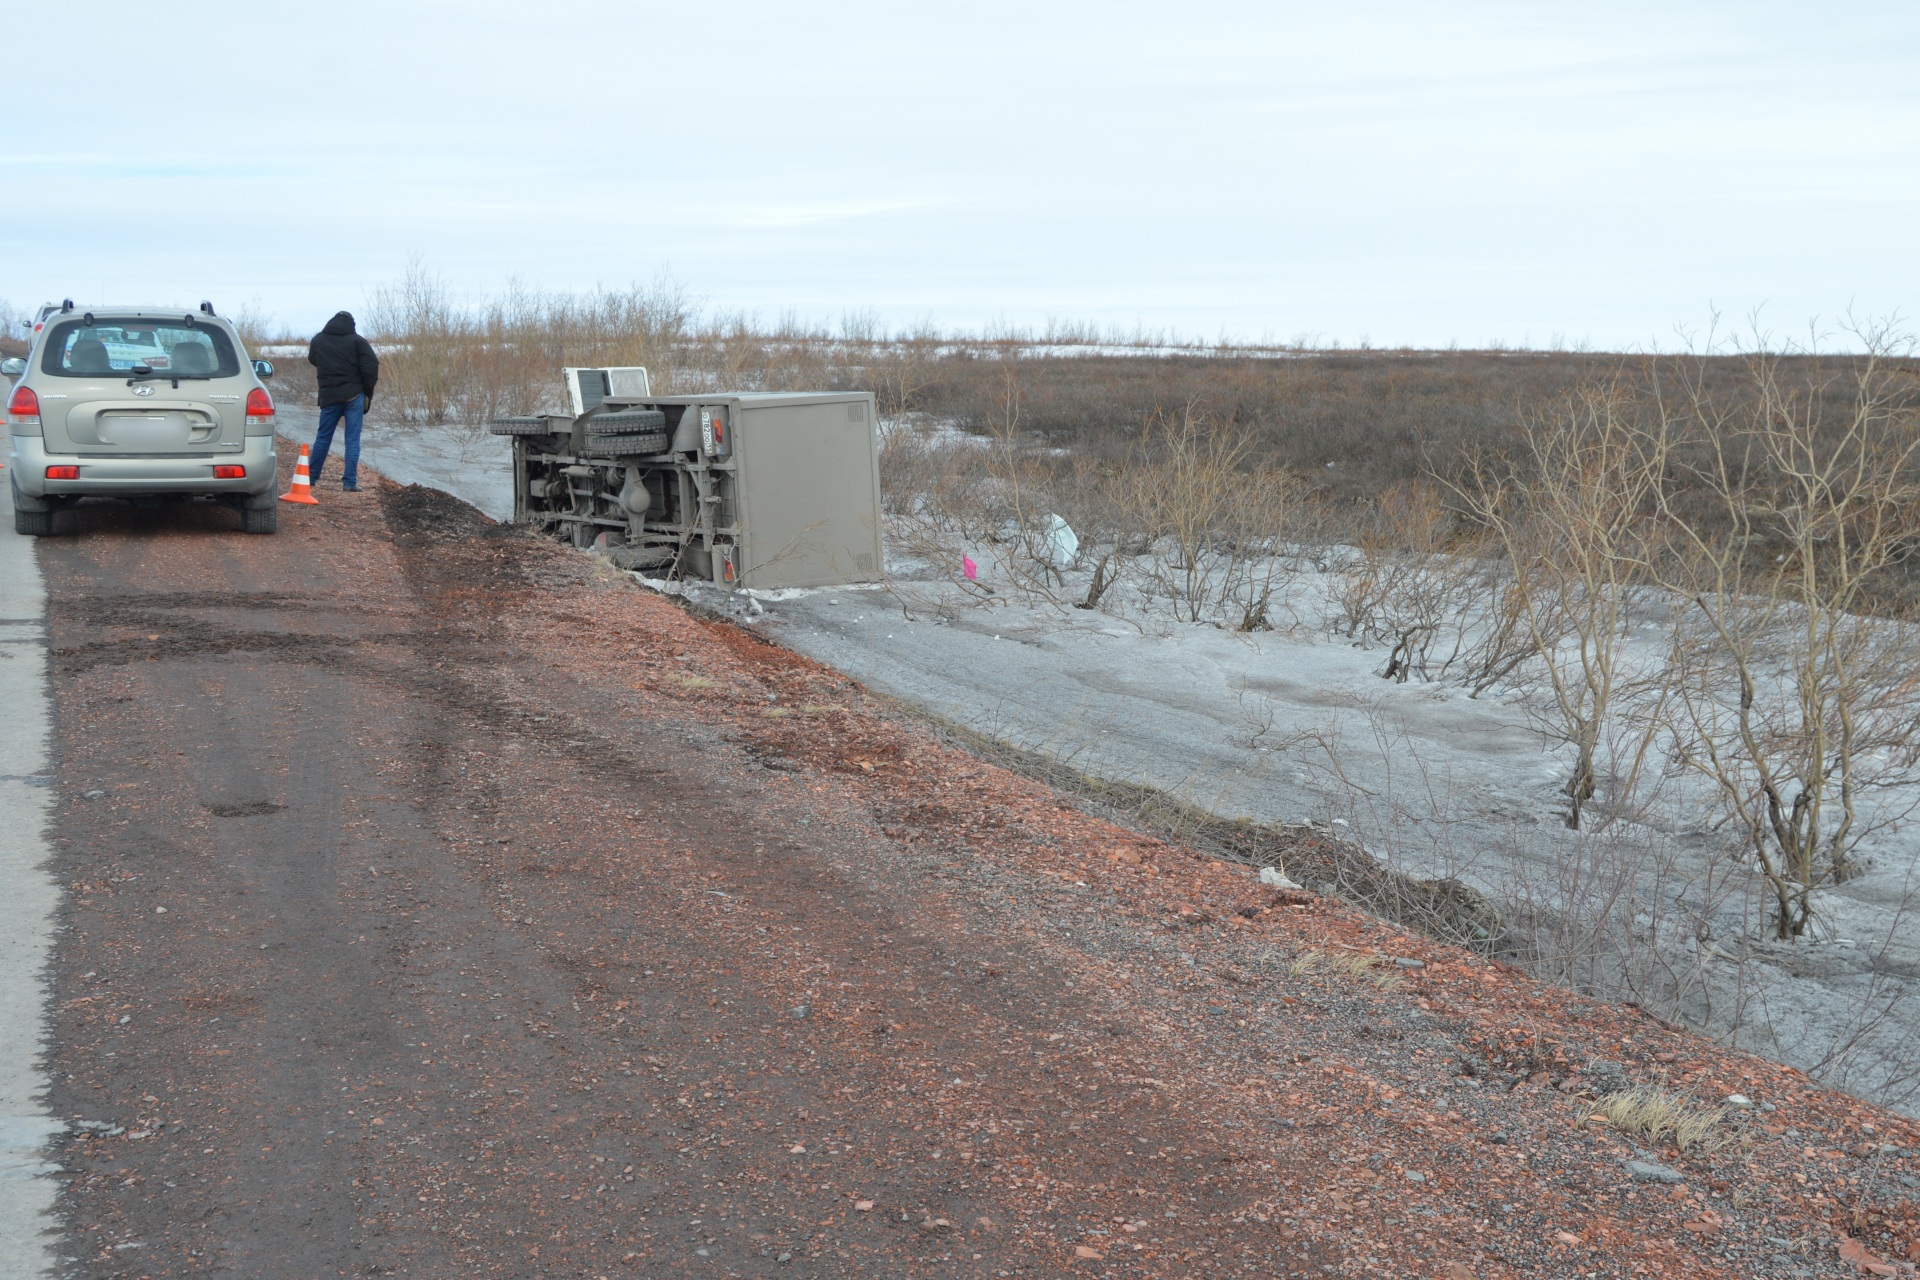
441,904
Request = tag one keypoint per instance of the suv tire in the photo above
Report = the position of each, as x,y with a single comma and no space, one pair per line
260,519
33,524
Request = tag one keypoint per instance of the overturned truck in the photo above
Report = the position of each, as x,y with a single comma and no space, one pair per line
748,489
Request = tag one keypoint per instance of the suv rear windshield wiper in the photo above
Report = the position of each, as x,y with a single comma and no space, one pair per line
144,373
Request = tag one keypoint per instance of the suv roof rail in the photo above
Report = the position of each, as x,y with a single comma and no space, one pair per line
133,310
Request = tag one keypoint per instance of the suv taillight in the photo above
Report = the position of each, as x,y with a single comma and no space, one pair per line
24,409
259,407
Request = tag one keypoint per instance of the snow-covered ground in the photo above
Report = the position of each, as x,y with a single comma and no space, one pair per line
1296,724
465,461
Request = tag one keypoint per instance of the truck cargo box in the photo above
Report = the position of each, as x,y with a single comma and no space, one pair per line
744,489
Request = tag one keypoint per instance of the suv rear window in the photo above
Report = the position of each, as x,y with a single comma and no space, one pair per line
171,348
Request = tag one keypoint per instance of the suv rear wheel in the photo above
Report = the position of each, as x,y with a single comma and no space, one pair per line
32,517
260,519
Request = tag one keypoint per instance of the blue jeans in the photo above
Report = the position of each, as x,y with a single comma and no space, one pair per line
330,415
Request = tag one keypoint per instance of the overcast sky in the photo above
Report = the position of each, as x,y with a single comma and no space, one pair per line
1401,173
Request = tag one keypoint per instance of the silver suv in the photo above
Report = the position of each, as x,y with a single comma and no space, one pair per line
140,403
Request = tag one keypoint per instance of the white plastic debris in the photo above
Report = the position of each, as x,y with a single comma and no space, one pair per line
1274,878
1062,544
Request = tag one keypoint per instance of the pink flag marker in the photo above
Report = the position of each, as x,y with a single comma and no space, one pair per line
968,567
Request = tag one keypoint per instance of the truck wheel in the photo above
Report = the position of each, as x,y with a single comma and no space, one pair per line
626,422
624,445
545,425
34,524
260,519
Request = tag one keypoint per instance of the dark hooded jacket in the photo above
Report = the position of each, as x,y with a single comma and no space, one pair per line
343,361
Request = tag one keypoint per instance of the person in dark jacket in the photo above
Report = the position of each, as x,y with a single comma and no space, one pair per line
346,369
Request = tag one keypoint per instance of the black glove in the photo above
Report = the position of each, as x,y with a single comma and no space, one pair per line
366,402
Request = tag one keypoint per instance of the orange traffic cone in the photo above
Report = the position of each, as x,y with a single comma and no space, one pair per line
302,490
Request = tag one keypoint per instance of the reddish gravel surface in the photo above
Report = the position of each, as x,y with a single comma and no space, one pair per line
443,904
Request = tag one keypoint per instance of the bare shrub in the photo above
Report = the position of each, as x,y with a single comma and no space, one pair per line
991,496
1022,505
1504,626
16,330
1213,523
1424,587
1800,711
1573,515
896,368
256,327
1185,491
1622,911
1186,515
1400,811
937,494
1874,1052
1094,497
421,370
442,360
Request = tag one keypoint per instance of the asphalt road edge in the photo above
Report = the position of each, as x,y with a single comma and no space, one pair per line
29,899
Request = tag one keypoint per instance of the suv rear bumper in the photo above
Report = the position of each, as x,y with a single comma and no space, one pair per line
133,477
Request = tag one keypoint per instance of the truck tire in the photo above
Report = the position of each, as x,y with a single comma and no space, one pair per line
622,446
643,557
33,524
260,519
544,425
626,422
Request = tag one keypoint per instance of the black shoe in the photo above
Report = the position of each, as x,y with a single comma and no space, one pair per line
349,488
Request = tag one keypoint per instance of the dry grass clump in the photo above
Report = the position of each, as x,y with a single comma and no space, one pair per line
1387,980
1653,1114
1306,964
1347,964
